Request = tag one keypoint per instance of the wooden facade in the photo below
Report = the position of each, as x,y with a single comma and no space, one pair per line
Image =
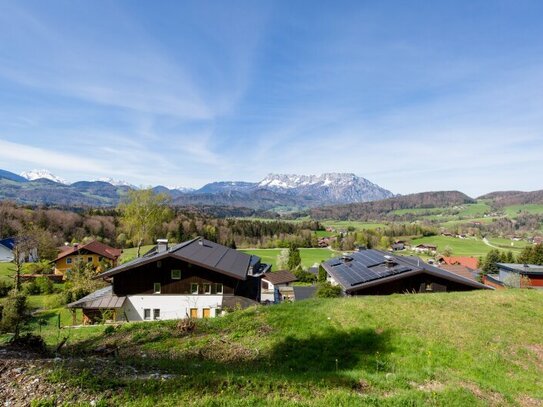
418,283
143,280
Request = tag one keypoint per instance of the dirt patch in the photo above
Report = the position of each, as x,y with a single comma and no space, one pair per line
491,398
537,350
527,401
430,386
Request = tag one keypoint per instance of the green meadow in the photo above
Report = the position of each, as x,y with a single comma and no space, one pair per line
400,350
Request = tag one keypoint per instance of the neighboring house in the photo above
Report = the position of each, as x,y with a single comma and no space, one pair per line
397,246
471,262
6,250
276,286
96,253
7,246
423,248
532,274
196,279
373,272
461,270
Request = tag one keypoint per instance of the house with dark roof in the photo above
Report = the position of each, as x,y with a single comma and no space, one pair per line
527,275
374,272
6,250
100,255
276,286
197,278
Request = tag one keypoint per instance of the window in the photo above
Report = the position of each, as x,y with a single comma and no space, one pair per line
156,314
157,288
218,288
176,274
265,285
146,314
89,259
207,288
69,260
194,288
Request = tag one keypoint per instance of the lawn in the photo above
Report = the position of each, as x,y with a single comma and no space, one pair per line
508,244
344,224
131,252
5,271
514,210
460,247
309,256
400,350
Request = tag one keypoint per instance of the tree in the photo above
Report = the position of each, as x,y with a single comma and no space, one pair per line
294,259
142,214
327,290
490,262
15,313
447,251
282,259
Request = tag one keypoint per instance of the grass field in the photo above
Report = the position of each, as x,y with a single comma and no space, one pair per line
514,210
506,244
460,247
400,350
309,256
344,224
5,271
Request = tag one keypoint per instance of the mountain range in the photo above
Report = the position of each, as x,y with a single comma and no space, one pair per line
275,192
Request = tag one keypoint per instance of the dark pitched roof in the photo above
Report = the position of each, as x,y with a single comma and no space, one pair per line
93,247
304,292
203,253
8,242
100,299
279,277
372,267
521,268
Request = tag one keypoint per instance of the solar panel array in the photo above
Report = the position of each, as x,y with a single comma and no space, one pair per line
365,266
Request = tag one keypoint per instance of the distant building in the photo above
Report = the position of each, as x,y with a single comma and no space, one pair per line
100,255
470,262
397,246
425,248
6,250
373,272
532,274
276,286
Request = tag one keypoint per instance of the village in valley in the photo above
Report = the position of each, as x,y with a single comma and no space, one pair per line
271,203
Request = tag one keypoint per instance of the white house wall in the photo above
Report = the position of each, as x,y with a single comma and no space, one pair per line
170,306
6,255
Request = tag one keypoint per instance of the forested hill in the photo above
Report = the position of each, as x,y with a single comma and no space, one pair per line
378,209
506,198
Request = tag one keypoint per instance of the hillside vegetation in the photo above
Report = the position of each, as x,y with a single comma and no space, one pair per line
451,349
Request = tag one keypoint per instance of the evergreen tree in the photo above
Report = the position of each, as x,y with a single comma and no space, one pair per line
294,259
490,263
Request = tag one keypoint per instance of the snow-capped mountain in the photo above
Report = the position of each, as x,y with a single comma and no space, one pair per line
40,174
328,188
116,182
180,188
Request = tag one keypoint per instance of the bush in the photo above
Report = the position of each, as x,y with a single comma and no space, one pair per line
54,301
45,285
40,267
327,290
5,288
15,313
31,288
304,276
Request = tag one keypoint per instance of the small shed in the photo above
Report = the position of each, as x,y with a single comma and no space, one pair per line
98,305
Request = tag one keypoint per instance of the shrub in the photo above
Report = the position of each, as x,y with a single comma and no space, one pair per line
15,313
54,301
45,285
31,288
5,288
327,290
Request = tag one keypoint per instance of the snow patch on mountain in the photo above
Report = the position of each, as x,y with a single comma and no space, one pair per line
39,174
116,182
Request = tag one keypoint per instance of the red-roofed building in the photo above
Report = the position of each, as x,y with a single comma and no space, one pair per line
470,262
98,254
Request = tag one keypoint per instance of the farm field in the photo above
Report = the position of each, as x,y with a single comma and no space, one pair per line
385,350
507,244
460,247
344,224
514,210
309,256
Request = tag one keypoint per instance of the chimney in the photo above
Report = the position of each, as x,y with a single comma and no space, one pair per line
162,245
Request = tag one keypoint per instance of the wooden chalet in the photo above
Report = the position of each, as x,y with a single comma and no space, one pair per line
196,279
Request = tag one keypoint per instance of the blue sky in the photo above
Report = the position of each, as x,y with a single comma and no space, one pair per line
414,96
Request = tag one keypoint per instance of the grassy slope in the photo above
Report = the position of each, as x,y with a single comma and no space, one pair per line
478,348
309,256
514,210
5,271
460,247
